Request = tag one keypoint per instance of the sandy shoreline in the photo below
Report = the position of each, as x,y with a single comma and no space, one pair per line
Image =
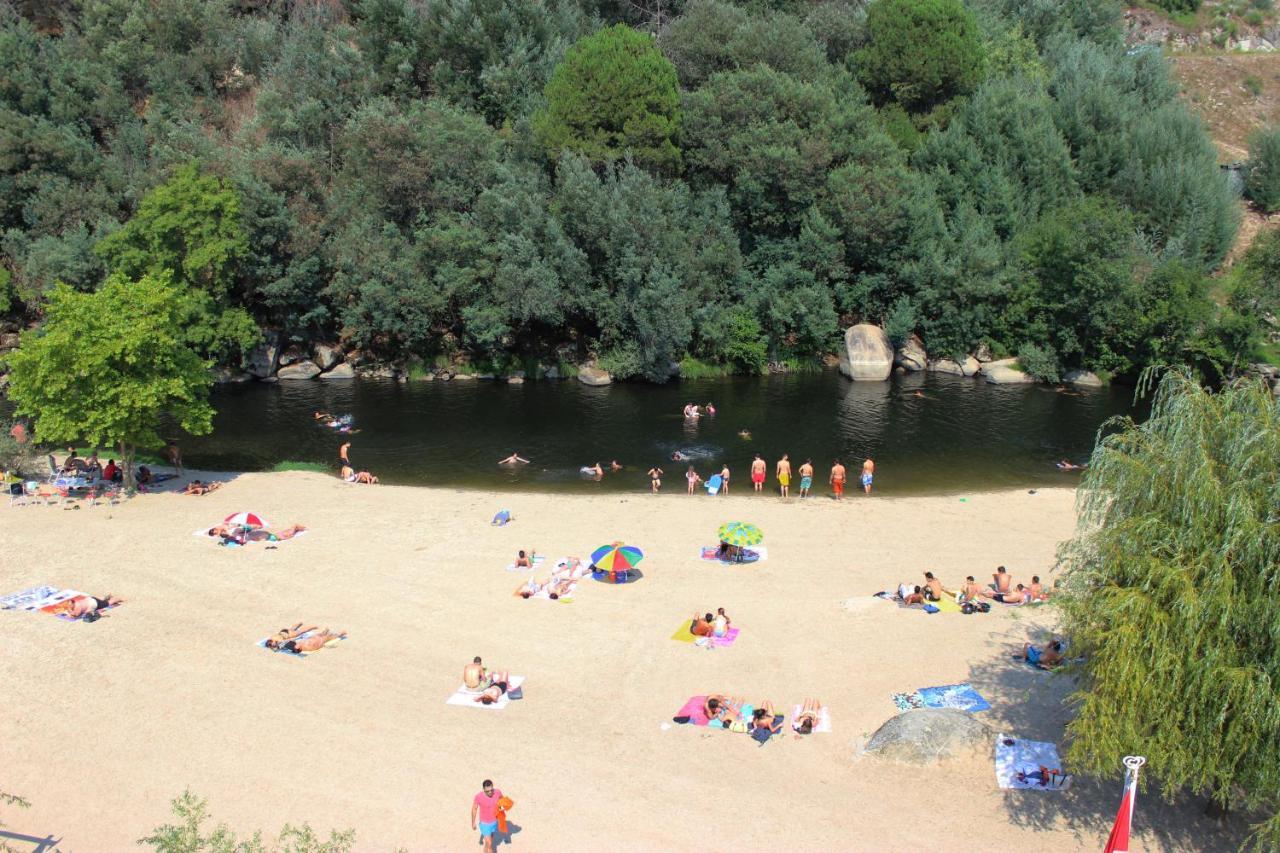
105,723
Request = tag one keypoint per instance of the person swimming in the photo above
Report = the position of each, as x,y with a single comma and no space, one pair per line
514,459
1068,465
593,470
709,409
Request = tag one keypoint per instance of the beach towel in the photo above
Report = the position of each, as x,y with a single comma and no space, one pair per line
760,552
962,697
544,594
824,720
683,634
1028,757
62,609
503,518
35,598
262,644
466,697
694,712
537,561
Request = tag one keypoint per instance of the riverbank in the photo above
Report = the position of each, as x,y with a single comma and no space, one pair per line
109,721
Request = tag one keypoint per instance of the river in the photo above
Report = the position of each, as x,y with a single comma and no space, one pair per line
962,435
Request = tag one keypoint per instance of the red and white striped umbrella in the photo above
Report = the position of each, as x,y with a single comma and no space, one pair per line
245,519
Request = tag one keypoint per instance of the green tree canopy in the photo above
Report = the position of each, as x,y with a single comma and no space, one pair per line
1262,172
1173,597
108,367
614,93
921,53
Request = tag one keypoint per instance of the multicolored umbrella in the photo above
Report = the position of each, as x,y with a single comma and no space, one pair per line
616,557
245,519
740,533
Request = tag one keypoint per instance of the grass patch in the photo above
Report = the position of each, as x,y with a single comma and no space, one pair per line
289,465
807,364
1270,353
693,368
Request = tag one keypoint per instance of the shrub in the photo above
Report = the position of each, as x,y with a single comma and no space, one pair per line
1253,85
1040,361
185,837
745,349
921,52
1176,6
1262,171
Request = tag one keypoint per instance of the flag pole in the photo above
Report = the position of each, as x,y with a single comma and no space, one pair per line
1118,841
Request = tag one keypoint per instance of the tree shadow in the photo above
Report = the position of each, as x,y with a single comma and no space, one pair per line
1034,704
46,844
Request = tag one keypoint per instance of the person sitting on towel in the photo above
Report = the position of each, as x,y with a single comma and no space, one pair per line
92,604
496,690
970,591
932,587
808,718
1003,582
524,561
716,706
474,675
701,625
1038,592
1020,595
720,624
1048,658
306,644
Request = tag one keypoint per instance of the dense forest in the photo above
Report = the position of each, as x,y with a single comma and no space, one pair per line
644,182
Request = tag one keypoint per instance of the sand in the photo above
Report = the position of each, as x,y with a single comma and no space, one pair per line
105,723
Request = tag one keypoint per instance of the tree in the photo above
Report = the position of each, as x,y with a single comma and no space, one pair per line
190,228
614,93
1262,171
921,53
109,367
192,812
1173,597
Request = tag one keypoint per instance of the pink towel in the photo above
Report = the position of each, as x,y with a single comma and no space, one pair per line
695,710
727,639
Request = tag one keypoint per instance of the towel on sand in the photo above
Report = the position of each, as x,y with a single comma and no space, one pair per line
1014,756
824,719
962,697
693,712
684,635
711,552
466,697
35,598
62,609
262,644
544,594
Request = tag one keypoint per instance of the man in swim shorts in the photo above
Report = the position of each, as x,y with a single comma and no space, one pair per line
837,479
783,473
806,478
474,675
757,474
724,479
868,474
485,806
655,479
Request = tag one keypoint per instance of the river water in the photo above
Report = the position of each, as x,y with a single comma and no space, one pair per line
962,435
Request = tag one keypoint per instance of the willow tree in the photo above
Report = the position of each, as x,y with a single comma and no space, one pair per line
1173,597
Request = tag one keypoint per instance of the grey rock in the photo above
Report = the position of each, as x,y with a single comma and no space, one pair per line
982,353
551,372
9,340
265,356
292,355
427,377
339,371
592,375
326,355
929,735
946,365
867,355
298,371
1005,375
376,371
1267,371
515,380
1082,378
227,376
970,366
911,355
467,377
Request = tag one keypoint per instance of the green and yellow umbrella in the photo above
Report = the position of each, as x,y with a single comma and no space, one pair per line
740,533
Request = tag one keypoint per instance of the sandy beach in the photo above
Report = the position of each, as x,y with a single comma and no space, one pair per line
105,723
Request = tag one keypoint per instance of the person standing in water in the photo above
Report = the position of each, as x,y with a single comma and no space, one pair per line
806,478
724,479
837,479
757,474
868,474
783,474
655,479
693,478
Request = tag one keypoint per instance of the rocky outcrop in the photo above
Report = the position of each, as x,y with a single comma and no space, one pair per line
1082,379
946,365
326,355
339,371
265,356
515,380
292,355
929,735
227,376
1004,372
911,356
592,375
9,340
298,371
867,355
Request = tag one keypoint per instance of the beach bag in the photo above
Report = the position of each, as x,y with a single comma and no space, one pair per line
967,608
983,607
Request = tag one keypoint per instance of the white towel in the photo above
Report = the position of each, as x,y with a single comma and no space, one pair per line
467,698
1026,756
824,720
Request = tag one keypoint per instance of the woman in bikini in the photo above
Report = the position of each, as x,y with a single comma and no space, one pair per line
306,644
496,690
693,478
807,720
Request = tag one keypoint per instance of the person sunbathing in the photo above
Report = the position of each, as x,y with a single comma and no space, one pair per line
571,568
970,591
474,675
529,588
763,718
523,561
92,604
349,474
496,690
808,718
1048,658
933,587
286,634
1020,595
301,645
264,535
911,595
701,625
195,487
715,706
227,534
1038,592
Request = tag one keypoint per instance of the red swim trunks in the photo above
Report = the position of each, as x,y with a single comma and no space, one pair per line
838,485
757,477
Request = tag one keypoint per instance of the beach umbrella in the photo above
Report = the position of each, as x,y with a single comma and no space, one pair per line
740,533
245,519
616,557
1119,840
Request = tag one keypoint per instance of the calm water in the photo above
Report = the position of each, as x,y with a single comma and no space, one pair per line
965,435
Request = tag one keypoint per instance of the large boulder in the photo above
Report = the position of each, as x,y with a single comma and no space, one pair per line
946,365
300,370
292,355
911,355
970,366
1082,379
867,354
1004,372
592,375
326,355
929,735
339,371
264,357
227,376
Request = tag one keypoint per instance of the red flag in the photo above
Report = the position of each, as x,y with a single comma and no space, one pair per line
1118,842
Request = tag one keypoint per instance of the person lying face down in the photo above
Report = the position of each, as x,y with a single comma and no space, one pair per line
306,644
496,690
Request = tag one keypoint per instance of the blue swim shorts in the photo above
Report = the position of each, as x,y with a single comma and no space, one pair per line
487,829
866,479
1033,655
806,482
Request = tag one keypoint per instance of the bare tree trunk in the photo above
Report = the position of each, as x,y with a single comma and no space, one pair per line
126,463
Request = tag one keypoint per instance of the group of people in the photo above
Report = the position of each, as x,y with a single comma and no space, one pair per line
557,584
760,721
692,412
710,625
782,472
347,471
489,686
1001,589
234,534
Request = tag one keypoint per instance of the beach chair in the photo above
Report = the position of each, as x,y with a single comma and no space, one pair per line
18,494
54,472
